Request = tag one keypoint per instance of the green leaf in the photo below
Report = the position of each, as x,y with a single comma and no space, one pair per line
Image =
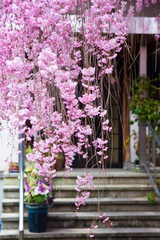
150,198
28,150
38,199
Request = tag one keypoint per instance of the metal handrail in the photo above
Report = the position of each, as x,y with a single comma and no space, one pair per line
152,181
21,189
145,165
153,133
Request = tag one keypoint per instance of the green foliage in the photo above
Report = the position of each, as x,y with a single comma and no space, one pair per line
32,198
39,198
153,195
37,190
28,150
145,101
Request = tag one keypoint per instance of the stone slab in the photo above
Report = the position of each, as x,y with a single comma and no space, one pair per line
71,233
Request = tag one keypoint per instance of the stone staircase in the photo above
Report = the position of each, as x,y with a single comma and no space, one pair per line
121,194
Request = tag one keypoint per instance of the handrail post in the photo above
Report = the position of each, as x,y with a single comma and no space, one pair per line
153,133
21,189
154,156
142,144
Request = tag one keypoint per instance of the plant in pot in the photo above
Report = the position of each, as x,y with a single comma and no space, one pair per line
13,167
39,196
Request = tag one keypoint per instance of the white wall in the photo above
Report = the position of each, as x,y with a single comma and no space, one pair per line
6,151
132,141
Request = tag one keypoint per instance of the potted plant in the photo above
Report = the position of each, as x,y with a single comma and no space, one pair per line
38,196
13,167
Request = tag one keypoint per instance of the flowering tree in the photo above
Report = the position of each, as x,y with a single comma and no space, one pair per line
56,57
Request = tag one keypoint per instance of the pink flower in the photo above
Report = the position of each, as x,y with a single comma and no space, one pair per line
106,219
46,166
27,187
139,5
41,188
88,71
87,98
103,113
91,235
15,64
108,70
51,79
153,1
102,215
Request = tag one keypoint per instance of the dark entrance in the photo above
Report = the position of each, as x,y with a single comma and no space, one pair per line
114,142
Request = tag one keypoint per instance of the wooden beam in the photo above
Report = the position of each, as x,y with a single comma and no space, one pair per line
142,125
135,25
143,61
142,25
126,111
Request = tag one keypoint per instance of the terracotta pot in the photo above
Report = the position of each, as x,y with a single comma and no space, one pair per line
13,167
60,161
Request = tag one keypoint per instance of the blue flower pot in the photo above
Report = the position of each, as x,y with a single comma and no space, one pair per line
37,218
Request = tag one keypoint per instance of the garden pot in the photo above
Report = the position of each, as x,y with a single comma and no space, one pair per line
60,161
37,218
13,167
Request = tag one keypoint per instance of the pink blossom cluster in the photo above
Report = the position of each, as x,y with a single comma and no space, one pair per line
139,5
101,146
147,3
51,75
153,1
131,8
104,219
52,72
91,234
101,18
84,183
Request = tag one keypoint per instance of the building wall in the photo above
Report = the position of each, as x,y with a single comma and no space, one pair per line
6,151
1,192
133,141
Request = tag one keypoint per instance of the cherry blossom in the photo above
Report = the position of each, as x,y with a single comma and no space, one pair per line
54,58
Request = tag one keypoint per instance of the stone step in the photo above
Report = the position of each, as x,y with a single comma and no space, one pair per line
85,220
11,179
10,205
81,234
11,191
112,191
105,180
119,219
124,200
1,174
106,205
108,177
